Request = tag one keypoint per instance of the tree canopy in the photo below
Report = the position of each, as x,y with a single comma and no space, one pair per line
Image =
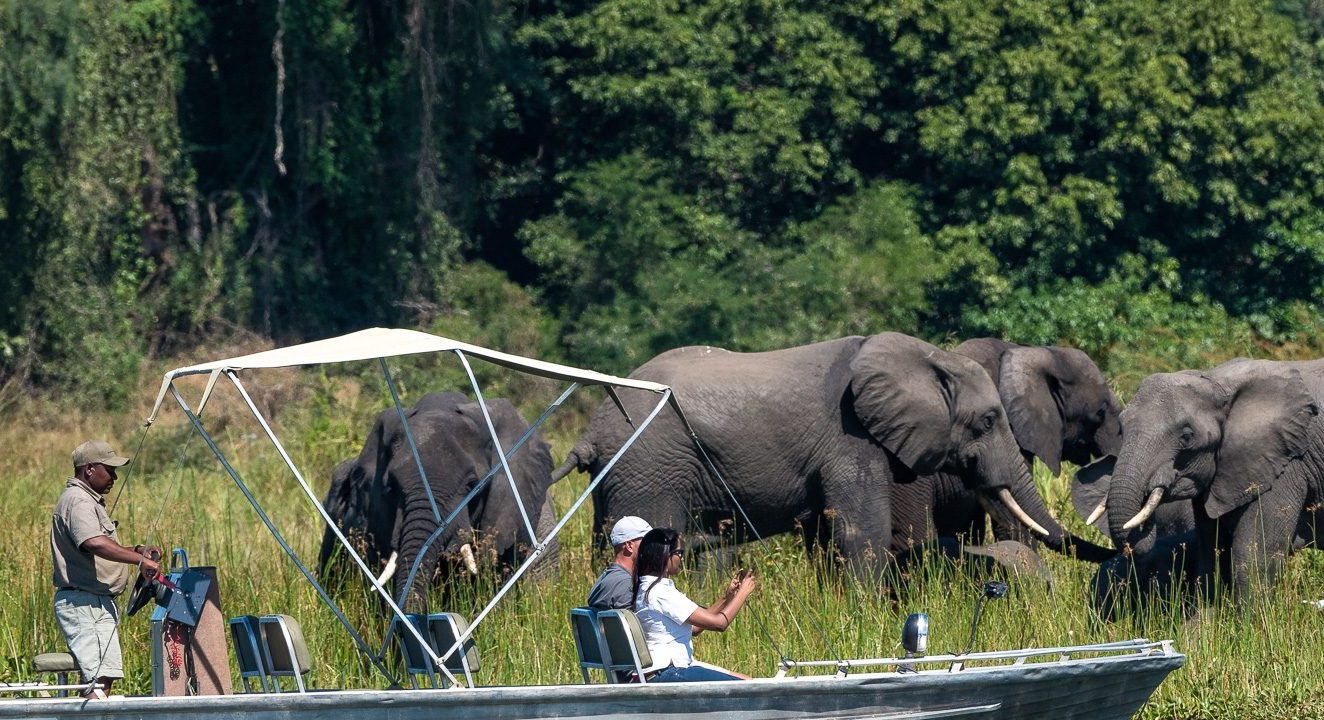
641,175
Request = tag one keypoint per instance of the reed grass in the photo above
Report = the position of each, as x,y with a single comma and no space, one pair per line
1259,663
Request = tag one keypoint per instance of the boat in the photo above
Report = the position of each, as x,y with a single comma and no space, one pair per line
1103,681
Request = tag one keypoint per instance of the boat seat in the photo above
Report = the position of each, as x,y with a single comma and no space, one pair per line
441,631
623,641
284,650
244,634
60,664
446,629
588,643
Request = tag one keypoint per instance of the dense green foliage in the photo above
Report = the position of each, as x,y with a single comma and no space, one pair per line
1127,176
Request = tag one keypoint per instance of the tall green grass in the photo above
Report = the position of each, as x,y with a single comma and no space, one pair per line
1261,663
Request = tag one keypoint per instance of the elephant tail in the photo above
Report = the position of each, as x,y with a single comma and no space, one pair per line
580,457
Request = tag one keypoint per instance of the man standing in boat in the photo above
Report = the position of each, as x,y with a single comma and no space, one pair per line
614,589
90,565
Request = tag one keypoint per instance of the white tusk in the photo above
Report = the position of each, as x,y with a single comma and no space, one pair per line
1155,497
389,570
1098,512
467,552
1004,495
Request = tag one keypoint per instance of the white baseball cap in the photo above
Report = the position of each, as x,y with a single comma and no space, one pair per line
629,528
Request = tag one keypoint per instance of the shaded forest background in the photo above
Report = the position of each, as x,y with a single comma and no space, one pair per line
599,181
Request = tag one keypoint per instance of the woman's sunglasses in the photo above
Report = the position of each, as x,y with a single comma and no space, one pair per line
678,552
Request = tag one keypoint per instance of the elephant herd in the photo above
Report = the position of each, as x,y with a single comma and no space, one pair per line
876,446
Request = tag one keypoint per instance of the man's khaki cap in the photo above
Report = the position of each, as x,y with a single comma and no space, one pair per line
97,451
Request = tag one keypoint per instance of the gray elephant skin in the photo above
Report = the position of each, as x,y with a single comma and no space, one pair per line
378,498
1059,406
1244,443
814,438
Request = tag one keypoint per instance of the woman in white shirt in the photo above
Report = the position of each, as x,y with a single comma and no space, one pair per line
669,619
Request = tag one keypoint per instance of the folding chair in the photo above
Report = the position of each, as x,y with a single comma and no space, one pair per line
284,650
248,652
588,643
624,647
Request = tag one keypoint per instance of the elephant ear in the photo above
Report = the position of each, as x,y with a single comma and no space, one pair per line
1027,389
1267,427
1090,487
904,393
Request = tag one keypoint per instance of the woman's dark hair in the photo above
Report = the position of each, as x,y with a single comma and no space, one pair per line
654,552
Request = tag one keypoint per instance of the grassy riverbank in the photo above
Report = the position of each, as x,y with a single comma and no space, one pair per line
1263,663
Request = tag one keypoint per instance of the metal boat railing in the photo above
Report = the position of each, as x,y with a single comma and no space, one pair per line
958,663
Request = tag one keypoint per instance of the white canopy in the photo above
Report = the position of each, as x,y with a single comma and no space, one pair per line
376,343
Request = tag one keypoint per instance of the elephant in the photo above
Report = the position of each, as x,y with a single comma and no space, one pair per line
1059,406
815,438
379,499
1165,571
1244,443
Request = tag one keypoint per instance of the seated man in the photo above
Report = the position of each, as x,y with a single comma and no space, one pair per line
614,589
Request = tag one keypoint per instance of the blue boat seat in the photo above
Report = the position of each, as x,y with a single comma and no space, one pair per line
440,630
248,652
589,643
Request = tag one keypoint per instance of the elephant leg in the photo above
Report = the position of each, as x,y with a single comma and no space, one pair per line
1263,537
858,513
913,514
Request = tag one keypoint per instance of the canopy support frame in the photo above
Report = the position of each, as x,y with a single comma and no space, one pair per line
569,513
477,489
326,517
275,533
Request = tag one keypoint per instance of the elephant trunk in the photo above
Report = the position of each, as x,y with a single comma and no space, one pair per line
417,524
1056,537
1019,504
1139,482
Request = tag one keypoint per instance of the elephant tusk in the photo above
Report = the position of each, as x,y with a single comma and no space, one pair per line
1004,496
470,564
1098,512
389,570
1155,497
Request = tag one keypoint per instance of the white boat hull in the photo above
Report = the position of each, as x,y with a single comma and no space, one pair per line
1096,688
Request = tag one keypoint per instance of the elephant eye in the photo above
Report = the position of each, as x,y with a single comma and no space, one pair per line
1187,435
989,419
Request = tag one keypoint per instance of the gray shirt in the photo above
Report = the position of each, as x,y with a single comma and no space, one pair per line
614,590
79,515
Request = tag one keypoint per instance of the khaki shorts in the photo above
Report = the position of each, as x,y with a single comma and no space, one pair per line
90,625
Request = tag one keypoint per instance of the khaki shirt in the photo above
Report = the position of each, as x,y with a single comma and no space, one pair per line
79,516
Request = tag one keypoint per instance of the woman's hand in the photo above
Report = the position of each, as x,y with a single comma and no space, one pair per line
742,577
718,615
